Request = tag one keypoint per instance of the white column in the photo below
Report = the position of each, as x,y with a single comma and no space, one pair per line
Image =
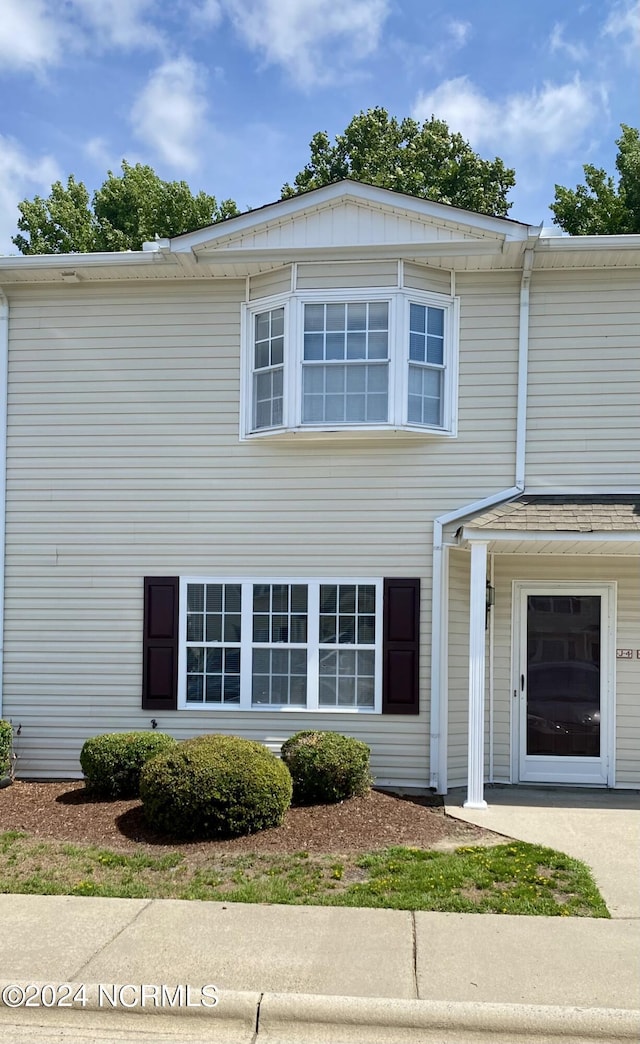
477,623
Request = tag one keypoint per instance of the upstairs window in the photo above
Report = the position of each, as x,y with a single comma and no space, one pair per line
331,361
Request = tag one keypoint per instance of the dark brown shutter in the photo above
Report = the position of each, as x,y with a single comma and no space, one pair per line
160,643
401,642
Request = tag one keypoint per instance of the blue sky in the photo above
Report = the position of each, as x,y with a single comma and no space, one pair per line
227,93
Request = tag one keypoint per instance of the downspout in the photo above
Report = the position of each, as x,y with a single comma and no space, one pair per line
439,695
4,364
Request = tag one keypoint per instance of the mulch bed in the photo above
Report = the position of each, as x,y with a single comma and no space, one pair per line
63,811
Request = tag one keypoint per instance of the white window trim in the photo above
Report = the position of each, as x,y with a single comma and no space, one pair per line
247,645
399,301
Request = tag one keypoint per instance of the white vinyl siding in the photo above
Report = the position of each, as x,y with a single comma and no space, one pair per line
584,380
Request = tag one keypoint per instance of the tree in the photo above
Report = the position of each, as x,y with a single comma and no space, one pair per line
127,210
600,207
425,160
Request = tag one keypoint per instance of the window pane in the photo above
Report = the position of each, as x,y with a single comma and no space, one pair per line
417,347
335,317
378,315
417,318
347,598
194,689
261,355
366,630
214,627
195,628
214,598
214,688
313,346
328,598
378,346
262,326
435,351
277,322
214,661
425,396
356,346
365,692
232,689
435,323
195,598
366,598
335,346
232,598
299,597
357,316
232,627
347,630
195,661
277,351
314,317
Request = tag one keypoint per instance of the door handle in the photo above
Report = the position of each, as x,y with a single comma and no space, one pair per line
522,683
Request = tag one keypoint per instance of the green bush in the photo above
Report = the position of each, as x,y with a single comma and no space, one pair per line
215,786
112,762
326,766
6,740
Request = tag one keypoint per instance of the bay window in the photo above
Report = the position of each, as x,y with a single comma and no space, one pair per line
330,361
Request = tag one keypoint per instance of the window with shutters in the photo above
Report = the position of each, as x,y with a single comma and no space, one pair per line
347,361
281,644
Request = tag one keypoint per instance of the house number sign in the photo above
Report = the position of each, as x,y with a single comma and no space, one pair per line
625,654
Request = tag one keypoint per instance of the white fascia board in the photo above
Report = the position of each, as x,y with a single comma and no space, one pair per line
79,261
567,244
358,193
445,248
474,536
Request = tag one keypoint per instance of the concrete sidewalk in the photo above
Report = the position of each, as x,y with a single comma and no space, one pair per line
600,827
314,973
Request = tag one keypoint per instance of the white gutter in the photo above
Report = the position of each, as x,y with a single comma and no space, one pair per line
4,360
439,638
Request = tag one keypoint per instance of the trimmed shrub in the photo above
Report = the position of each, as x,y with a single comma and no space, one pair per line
326,766
6,741
112,762
215,786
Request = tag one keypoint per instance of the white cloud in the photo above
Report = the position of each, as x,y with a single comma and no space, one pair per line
312,40
119,23
170,112
21,176
546,121
459,31
623,24
31,36
577,52
207,13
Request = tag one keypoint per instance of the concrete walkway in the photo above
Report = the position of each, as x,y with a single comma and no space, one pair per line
308,974
601,827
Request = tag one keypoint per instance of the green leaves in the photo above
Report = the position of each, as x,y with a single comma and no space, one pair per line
427,161
127,210
599,207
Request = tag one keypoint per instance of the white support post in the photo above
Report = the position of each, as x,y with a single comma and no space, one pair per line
477,623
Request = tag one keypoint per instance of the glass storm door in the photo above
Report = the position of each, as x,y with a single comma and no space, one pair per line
564,683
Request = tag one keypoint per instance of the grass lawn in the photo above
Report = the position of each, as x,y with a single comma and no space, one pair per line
514,878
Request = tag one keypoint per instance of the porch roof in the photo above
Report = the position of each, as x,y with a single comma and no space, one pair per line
567,514
577,523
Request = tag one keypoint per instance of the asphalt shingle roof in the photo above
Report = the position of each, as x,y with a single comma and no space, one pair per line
569,514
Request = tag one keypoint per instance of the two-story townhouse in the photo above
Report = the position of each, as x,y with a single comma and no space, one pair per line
355,461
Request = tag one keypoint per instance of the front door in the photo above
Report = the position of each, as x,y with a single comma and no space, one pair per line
564,683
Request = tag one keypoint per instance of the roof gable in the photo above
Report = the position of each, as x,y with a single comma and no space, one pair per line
349,214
